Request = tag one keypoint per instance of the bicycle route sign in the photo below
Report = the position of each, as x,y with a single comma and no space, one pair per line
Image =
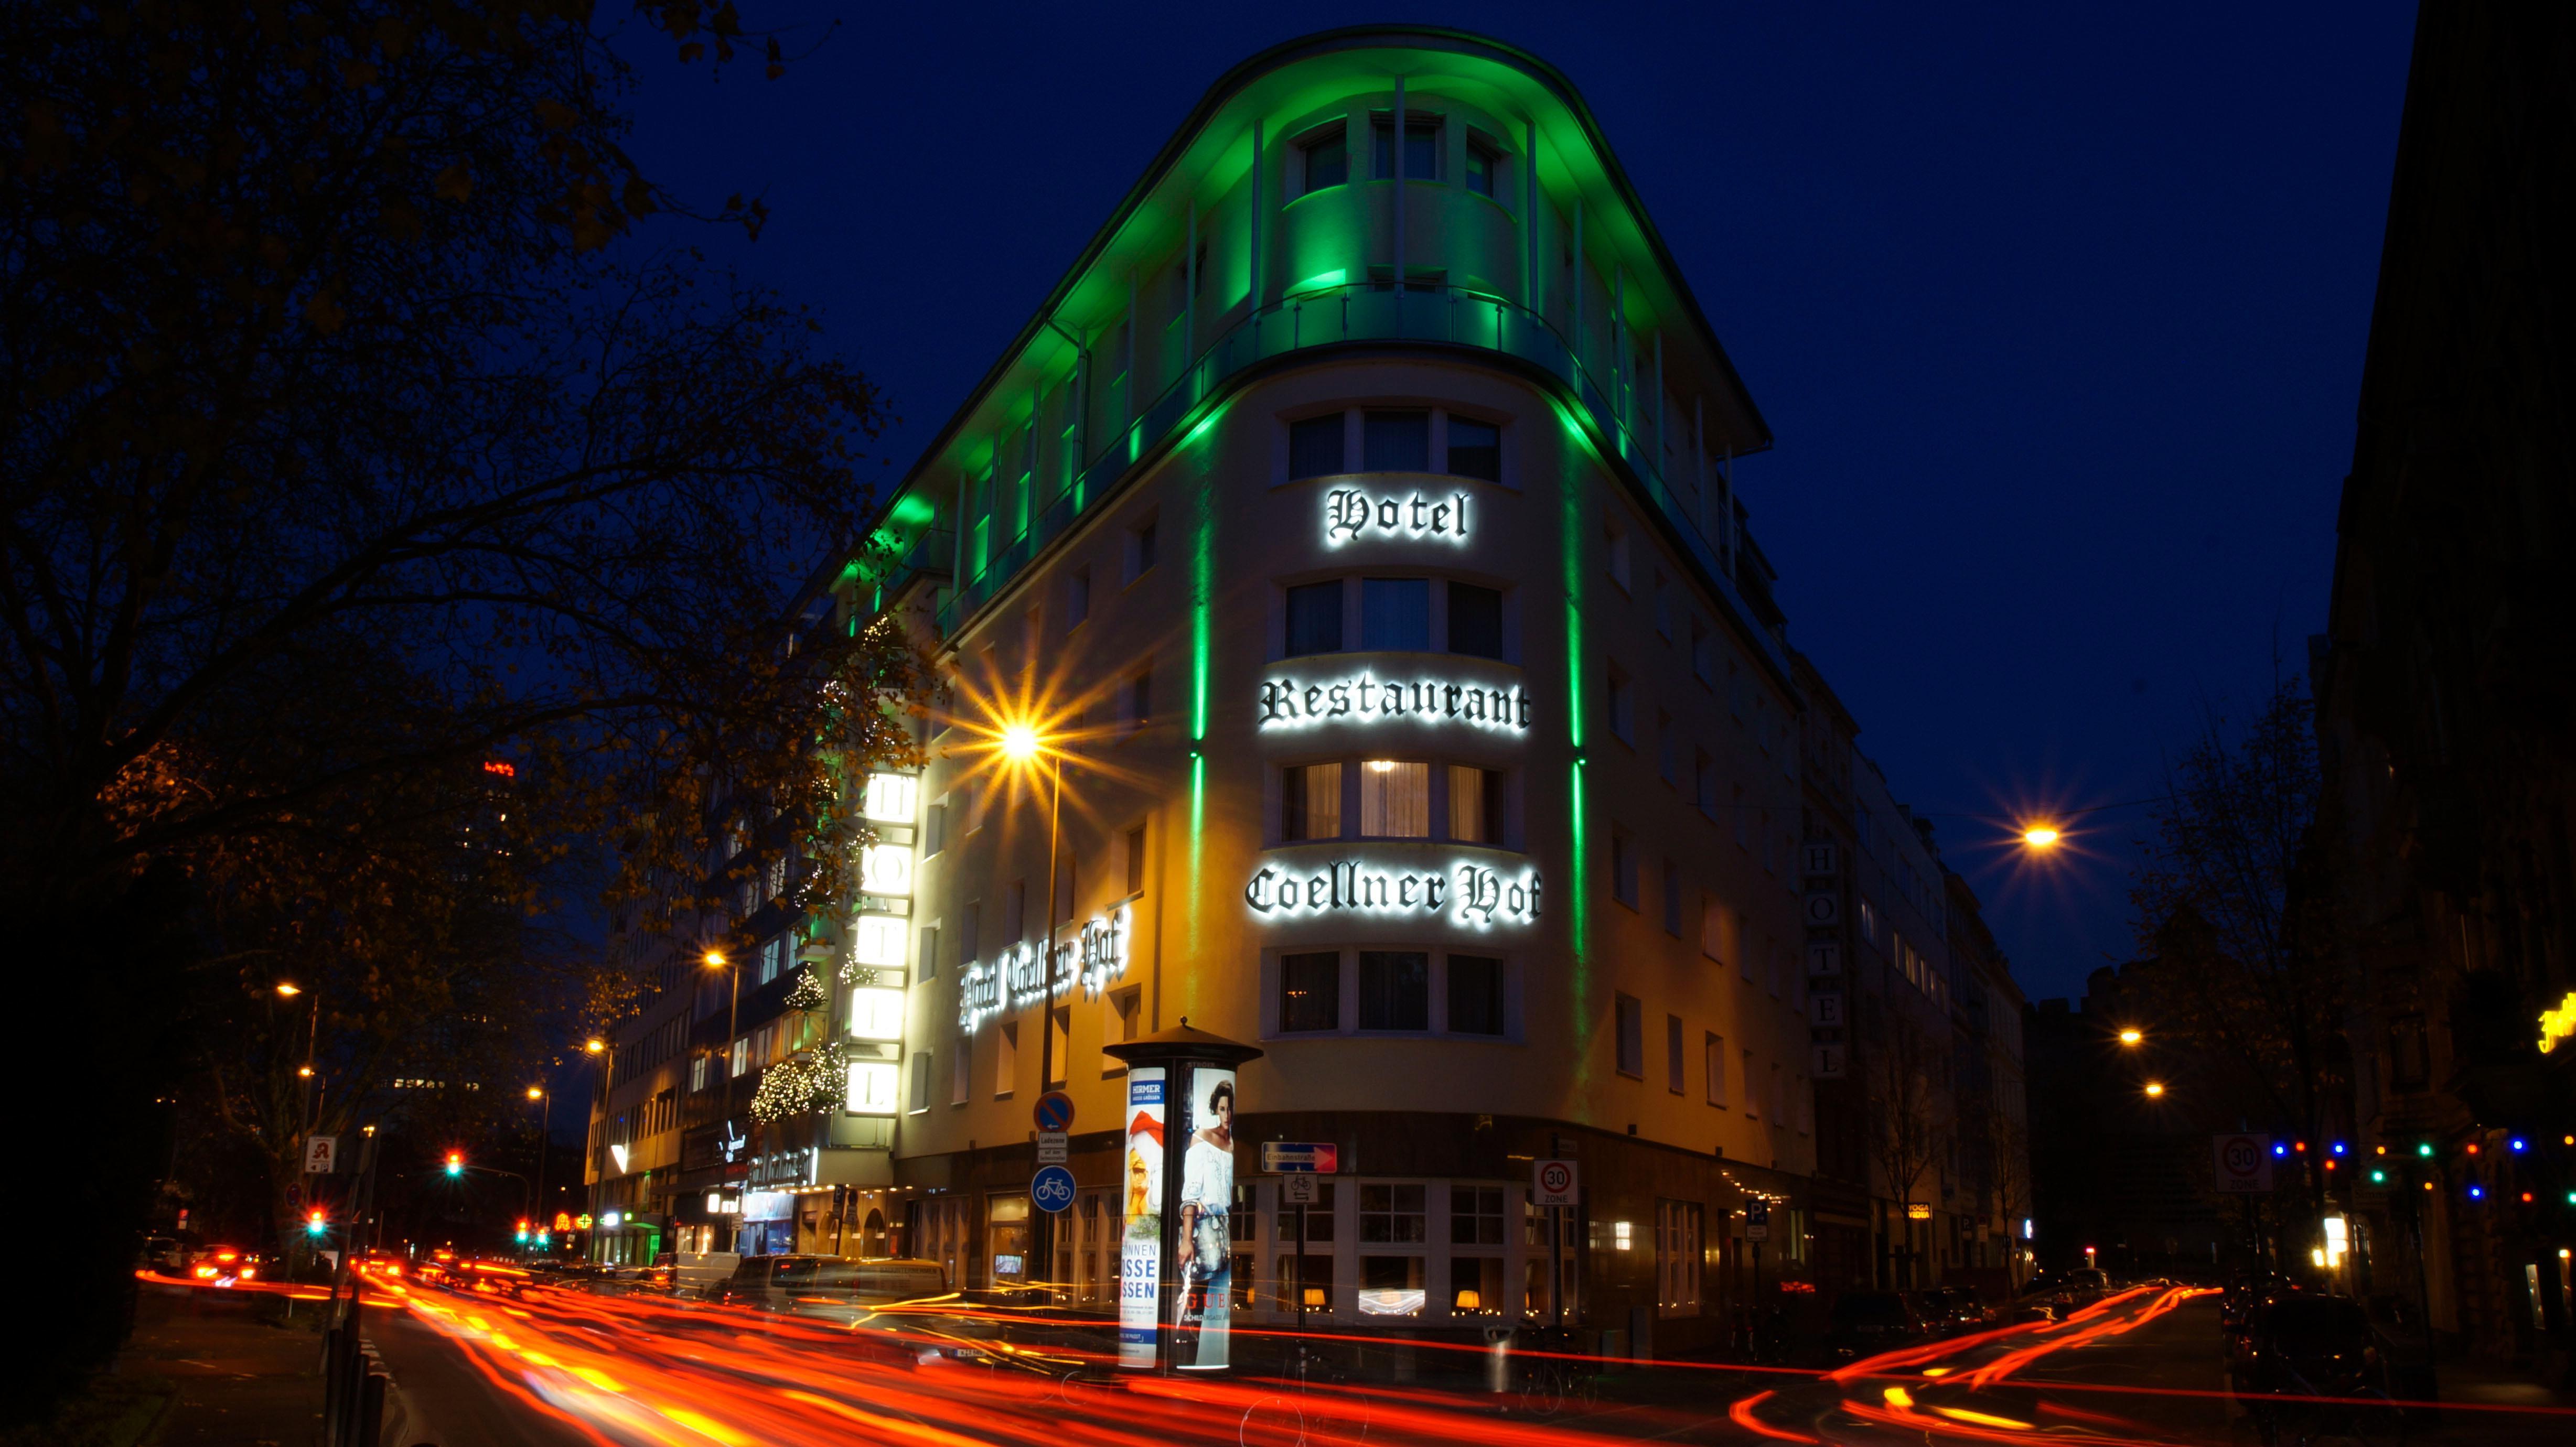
1052,1188
2243,1162
1553,1183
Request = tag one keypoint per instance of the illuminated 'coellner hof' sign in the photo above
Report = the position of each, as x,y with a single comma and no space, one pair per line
1468,893
1372,698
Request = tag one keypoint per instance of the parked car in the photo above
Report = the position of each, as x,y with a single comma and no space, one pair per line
1865,1323
2310,1365
1950,1310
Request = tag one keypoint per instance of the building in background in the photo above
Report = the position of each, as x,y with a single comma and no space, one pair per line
1993,1203
2446,696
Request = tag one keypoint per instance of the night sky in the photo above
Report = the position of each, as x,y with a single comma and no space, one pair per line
2057,315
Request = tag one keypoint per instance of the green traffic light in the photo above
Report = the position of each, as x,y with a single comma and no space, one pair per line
2379,1178
2424,1148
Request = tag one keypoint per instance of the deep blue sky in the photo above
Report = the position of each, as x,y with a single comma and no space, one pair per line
2057,315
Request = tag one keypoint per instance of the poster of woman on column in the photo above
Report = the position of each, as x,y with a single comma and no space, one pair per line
1205,1252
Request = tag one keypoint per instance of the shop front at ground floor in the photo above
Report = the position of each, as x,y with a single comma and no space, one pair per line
1431,1224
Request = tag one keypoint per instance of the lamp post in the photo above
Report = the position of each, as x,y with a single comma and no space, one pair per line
597,1049
1021,743
288,990
545,1130
733,1012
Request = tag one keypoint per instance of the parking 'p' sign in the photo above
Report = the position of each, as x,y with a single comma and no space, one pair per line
1553,1183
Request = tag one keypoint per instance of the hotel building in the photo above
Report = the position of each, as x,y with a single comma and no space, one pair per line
1354,522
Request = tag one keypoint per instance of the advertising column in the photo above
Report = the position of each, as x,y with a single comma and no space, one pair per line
1140,1249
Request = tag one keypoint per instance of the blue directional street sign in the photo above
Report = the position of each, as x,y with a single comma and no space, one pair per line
1052,1188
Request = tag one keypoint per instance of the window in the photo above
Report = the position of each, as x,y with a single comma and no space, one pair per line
741,1061
698,1072
1475,995
1315,446
1703,781
1713,1061
1310,992
934,828
1328,160
1315,618
1475,805
1475,448
1480,167
1120,1024
1421,148
1623,868
920,1100
1678,1225
1475,620
1395,613
1615,547
1395,799
1667,749
1136,860
1618,699
1672,897
1776,1102
1701,650
1752,1107
1743,817
930,953
971,928
1663,604
1006,1058
1395,441
1140,699
1015,911
1676,1068
1395,990
1393,1215
1077,598
961,1078
1310,802
1140,550
1632,1037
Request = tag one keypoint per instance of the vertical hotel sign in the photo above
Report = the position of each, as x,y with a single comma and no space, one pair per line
1140,1250
880,946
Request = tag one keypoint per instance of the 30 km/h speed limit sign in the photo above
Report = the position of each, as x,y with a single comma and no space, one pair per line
2243,1162
1553,1183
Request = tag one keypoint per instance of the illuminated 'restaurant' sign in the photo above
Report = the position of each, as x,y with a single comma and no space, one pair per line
1371,698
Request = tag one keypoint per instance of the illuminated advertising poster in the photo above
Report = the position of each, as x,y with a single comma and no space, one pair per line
1205,1254
1140,1251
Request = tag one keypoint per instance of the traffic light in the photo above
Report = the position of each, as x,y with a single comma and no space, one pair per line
2424,1149
456,1163
317,1222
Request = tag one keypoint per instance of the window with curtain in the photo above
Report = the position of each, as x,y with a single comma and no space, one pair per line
1315,447
1475,804
1395,613
1475,620
1310,802
1315,618
1310,992
1395,990
1475,448
1475,995
1396,441
1395,799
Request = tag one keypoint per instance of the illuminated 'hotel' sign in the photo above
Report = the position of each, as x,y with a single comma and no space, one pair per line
1369,698
1350,513
1466,893
1093,959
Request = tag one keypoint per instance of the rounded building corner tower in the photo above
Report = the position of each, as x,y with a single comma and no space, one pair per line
1350,538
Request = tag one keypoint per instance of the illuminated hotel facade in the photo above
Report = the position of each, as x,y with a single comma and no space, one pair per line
1354,521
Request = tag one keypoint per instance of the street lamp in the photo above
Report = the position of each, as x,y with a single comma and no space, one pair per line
288,990
715,960
545,1131
1022,744
2132,1035
2155,1089
2041,836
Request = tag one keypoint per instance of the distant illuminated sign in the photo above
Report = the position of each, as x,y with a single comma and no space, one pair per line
1350,513
1370,698
886,869
1467,893
2558,1024
1092,959
892,798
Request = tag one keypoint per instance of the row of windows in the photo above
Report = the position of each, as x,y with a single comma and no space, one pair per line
1326,153
1015,901
1760,1089
1400,991
1396,800
1395,439
1721,926
1122,1015
1395,615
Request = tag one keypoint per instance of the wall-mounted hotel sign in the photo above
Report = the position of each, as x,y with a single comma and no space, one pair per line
1350,513
1467,893
1372,698
1090,961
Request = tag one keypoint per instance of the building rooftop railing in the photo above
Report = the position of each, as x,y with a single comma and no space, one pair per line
1338,316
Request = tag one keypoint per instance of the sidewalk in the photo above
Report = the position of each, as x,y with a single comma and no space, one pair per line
240,1374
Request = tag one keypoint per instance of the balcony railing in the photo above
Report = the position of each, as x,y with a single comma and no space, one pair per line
1336,316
